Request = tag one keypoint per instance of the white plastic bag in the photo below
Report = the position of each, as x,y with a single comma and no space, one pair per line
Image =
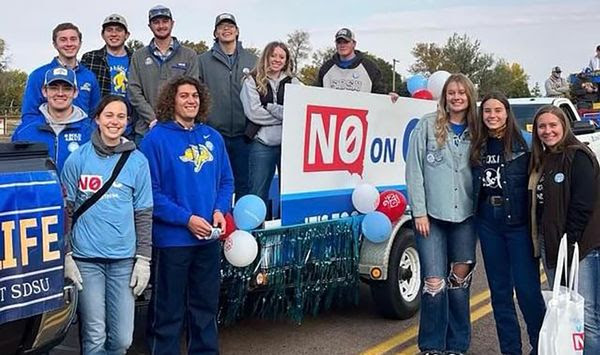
562,330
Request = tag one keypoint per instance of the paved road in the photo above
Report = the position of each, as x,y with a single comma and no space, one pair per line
355,330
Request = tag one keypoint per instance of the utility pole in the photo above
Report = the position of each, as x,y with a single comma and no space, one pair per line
394,74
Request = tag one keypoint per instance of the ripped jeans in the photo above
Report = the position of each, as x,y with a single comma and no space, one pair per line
445,323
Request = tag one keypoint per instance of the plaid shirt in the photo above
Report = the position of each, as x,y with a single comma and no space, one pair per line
96,62
158,54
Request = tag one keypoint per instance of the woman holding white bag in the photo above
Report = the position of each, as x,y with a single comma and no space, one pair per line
564,188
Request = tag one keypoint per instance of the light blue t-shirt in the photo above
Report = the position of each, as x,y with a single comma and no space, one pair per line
107,228
119,69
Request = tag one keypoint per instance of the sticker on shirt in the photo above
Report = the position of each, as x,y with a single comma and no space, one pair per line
73,146
430,158
559,178
491,178
198,155
148,61
90,183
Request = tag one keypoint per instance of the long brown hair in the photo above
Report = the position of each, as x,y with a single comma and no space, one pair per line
443,116
568,140
259,73
165,109
479,136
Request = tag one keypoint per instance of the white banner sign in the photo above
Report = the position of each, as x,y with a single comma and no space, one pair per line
334,140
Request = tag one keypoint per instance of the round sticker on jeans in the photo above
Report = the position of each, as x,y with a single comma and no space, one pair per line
430,158
559,177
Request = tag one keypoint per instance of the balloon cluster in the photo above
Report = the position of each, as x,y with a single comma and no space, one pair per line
423,88
240,247
381,210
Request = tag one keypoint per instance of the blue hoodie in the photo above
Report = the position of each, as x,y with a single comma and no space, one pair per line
88,89
191,175
61,138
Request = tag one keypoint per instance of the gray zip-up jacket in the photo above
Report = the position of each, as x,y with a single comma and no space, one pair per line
269,117
223,75
438,179
147,74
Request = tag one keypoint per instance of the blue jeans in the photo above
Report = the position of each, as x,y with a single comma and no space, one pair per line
510,265
445,323
589,288
186,284
263,160
106,306
238,150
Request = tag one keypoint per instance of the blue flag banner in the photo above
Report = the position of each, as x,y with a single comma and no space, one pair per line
31,244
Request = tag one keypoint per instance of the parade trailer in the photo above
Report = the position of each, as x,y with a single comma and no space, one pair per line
314,256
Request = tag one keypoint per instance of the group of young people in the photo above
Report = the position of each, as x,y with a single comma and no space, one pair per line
471,174
207,127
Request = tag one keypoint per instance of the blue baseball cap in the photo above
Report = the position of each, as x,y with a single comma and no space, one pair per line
60,74
159,11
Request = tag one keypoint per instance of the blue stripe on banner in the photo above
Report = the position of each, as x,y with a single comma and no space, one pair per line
310,207
31,244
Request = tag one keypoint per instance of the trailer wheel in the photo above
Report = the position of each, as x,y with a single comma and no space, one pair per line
398,297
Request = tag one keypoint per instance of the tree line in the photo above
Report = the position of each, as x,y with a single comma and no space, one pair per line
460,53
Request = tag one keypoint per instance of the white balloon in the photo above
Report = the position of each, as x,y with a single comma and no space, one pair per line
240,248
365,198
436,82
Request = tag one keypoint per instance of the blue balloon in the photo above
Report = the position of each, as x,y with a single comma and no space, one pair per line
376,227
249,212
416,82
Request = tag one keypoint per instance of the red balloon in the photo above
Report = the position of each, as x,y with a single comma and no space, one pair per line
423,94
392,203
230,226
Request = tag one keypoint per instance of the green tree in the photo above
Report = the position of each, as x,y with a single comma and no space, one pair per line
199,47
298,43
310,73
253,50
509,78
12,85
2,57
536,91
386,72
134,44
460,54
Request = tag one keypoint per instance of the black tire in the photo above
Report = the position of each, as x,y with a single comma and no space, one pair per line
398,297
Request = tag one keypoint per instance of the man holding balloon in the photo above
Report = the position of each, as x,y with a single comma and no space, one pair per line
192,187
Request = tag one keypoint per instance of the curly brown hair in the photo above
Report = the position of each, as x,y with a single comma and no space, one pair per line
165,110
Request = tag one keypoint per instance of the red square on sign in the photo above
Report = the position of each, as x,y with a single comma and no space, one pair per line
335,139
578,341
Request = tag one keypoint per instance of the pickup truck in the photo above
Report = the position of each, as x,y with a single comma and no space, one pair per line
586,131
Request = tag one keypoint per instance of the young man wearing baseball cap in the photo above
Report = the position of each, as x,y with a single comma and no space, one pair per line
62,126
350,69
155,64
222,69
556,86
110,63
66,39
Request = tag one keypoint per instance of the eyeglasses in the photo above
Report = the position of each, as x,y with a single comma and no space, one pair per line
225,26
55,89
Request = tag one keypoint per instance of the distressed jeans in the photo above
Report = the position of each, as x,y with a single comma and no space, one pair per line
445,323
106,307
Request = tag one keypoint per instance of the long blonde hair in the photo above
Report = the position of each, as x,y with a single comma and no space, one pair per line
443,115
259,73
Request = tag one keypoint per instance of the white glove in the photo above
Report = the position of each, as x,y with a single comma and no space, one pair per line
72,272
140,275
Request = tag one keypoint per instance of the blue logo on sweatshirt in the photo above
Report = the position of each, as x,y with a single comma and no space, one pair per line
198,155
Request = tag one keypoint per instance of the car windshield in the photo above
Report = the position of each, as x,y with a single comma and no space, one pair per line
524,115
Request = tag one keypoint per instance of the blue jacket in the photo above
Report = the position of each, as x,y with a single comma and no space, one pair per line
514,174
87,85
76,132
191,175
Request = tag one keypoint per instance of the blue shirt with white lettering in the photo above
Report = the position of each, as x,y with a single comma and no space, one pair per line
119,69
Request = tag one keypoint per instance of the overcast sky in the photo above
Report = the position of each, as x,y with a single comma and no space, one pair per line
538,34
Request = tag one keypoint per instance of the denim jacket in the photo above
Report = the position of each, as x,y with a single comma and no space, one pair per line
439,179
514,173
